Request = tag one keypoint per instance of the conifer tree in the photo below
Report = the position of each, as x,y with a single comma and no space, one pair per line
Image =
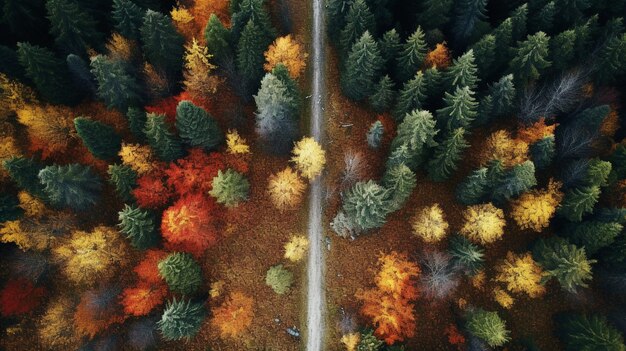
412,55
196,127
358,21
337,10
503,94
579,201
9,208
609,62
571,10
447,155
467,255
383,95
400,181
25,173
367,204
49,74
116,87
139,226
161,139
253,10
519,19
485,54
276,122
515,181
531,57
162,44
562,49
462,72
230,188
474,189
218,40
99,138
362,68
75,186
375,134
390,47
433,81
250,50
542,152
181,319
136,122
412,96
81,74
434,14
565,262
487,326
543,21
74,28
504,40
593,235
24,16
124,179
127,18
460,109
583,332
468,13
401,156
282,73
181,272
417,133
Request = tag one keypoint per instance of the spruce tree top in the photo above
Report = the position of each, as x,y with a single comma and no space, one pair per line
100,139
127,18
363,67
161,42
181,272
181,319
161,139
196,127
230,187
417,130
531,57
75,186
358,20
74,29
412,54
462,72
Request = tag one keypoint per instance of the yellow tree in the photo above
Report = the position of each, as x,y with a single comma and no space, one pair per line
351,341
484,223
184,21
296,248
14,96
53,326
234,316
309,157
285,189
536,131
430,224
235,143
289,52
32,206
521,274
503,298
8,149
396,275
534,209
121,48
199,78
50,128
138,157
500,146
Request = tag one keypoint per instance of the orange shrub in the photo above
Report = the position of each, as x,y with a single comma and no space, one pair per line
147,270
142,299
234,316
151,190
195,172
438,57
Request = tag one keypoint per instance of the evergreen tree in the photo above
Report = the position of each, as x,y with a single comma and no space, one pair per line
565,262
412,96
412,55
474,189
81,75
127,18
10,65
358,21
367,204
514,182
519,19
582,332
230,188
22,17
485,54
75,186
531,57
579,201
571,11
462,72
181,319
434,14
390,47
460,109
487,326
591,118
468,13
375,135
25,173
401,156
9,208
162,44
542,152
136,122
593,235
383,95
400,181
218,40
417,133
362,68
485,111
447,155
74,29
337,11
503,94
49,74
504,40
543,21
253,10
432,80
467,255
609,62
116,87
139,226
562,49
163,141
196,127
250,54
99,138
598,172
181,273
585,33
124,179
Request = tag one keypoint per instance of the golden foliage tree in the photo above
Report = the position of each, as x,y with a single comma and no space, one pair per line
14,96
32,206
309,157
200,81
296,248
286,189
138,157
50,128
53,326
234,316
503,298
289,52
235,143
501,146
429,224
439,57
11,232
534,209
351,341
8,149
121,48
184,22
536,131
484,223
521,274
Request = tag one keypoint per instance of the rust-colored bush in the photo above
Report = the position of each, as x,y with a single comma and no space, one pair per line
20,296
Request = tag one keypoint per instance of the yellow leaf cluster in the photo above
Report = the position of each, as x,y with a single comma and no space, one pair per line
51,125
199,80
14,95
395,273
289,52
534,209
89,257
234,316
119,47
11,232
181,14
430,224
500,146
309,157
235,143
286,189
32,206
53,326
503,298
521,274
439,57
479,279
197,56
351,341
138,157
296,248
184,22
484,223
217,288
8,149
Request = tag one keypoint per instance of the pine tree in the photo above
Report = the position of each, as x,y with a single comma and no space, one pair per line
460,109
434,14
519,18
139,226
196,127
383,95
127,18
433,81
163,141
417,133
609,62
162,44
282,73
250,50
565,262
375,134
412,96
562,49
401,156
367,204
230,188
487,326
503,93
571,11
531,57
81,74
49,74
579,201
276,120
593,235
582,332
484,113
504,40
390,47
9,208
467,255
447,155
542,152
337,11
598,172
362,68
75,186
514,182
74,29
116,87
253,10
468,13
218,40
474,189
181,273
400,182
543,21
181,319
136,122
25,173
485,54
412,55
358,21
99,138
462,72
124,179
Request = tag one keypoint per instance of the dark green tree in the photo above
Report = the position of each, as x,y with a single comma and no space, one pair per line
166,145
485,54
468,14
99,138
434,14
9,208
127,18
337,10
162,44
543,21
598,172
24,16
474,189
10,65
504,40
358,21
181,319
136,122
412,55
519,18
367,204
196,127
433,80
531,57
416,132
503,93
593,235
24,172
116,87
253,10
571,11
542,152
609,63
383,95
230,188
181,273
124,179
140,227
390,47
447,155
250,54
74,29
564,261
562,49
282,73
514,182
579,201
362,69
81,74
218,40
412,96
400,182
74,185
462,72
585,333
375,135
468,256
459,111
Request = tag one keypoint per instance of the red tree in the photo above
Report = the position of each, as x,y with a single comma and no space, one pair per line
142,299
147,270
194,173
20,296
152,191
